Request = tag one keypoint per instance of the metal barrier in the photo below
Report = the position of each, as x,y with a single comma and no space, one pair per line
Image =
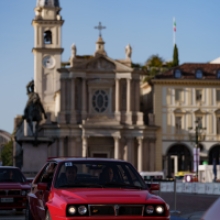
194,187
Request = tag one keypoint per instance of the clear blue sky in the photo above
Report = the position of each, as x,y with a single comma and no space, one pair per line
147,25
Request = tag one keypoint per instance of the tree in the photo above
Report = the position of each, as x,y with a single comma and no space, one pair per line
175,56
7,154
153,66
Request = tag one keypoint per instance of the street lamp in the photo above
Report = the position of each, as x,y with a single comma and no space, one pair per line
196,137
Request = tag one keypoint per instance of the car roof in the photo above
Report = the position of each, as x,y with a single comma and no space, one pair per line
79,159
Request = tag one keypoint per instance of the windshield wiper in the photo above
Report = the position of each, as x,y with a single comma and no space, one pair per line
122,185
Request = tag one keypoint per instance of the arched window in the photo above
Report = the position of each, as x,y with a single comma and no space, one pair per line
47,37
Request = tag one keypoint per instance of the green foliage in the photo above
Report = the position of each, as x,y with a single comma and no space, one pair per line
136,65
154,66
175,56
7,154
154,61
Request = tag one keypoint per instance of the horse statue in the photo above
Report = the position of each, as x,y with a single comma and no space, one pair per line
34,109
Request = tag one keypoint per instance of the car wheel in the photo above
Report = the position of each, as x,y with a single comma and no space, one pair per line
47,216
28,215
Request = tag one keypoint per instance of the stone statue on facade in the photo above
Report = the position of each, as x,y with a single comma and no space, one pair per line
34,109
128,51
73,48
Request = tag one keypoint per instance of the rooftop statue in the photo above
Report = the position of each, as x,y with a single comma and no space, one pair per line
34,109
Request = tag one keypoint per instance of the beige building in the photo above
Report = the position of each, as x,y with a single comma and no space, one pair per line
92,102
185,98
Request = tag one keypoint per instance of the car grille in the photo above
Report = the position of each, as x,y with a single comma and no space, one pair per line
116,210
10,192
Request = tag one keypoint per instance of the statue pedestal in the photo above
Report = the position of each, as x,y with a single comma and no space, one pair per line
35,154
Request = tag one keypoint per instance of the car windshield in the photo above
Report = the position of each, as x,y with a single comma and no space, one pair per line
11,175
98,174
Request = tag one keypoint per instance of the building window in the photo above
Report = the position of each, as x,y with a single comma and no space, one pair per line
177,74
218,95
100,101
199,74
178,94
218,125
218,74
198,95
47,37
178,124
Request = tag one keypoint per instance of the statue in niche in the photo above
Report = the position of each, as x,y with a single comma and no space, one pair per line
128,51
34,109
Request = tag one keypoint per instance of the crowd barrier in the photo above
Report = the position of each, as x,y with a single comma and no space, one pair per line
196,188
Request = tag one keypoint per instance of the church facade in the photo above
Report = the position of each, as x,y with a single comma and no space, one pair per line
92,102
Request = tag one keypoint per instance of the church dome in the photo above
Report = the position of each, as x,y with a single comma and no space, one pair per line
50,3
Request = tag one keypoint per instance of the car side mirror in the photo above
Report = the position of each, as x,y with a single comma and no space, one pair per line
42,186
29,180
154,187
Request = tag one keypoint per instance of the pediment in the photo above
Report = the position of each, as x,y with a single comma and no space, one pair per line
199,112
179,111
101,64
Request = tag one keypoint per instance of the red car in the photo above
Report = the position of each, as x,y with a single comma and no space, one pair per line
92,188
14,188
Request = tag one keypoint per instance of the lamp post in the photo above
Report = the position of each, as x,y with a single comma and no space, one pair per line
197,149
196,138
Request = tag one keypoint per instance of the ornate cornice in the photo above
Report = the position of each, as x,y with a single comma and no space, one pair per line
185,82
52,22
52,50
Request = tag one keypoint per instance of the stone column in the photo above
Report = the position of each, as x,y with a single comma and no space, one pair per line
62,97
137,95
152,155
128,92
117,95
130,150
140,154
84,99
128,102
61,147
72,147
84,147
62,113
117,99
73,112
116,148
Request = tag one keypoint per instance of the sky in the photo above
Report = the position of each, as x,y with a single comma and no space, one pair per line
147,25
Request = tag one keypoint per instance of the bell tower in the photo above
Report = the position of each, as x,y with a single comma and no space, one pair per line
47,51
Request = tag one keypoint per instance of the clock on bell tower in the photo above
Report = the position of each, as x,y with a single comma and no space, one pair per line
47,51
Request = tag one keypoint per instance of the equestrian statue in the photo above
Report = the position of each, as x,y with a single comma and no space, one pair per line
34,109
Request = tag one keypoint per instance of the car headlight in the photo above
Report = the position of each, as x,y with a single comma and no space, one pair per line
149,209
82,210
159,209
24,192
72,210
